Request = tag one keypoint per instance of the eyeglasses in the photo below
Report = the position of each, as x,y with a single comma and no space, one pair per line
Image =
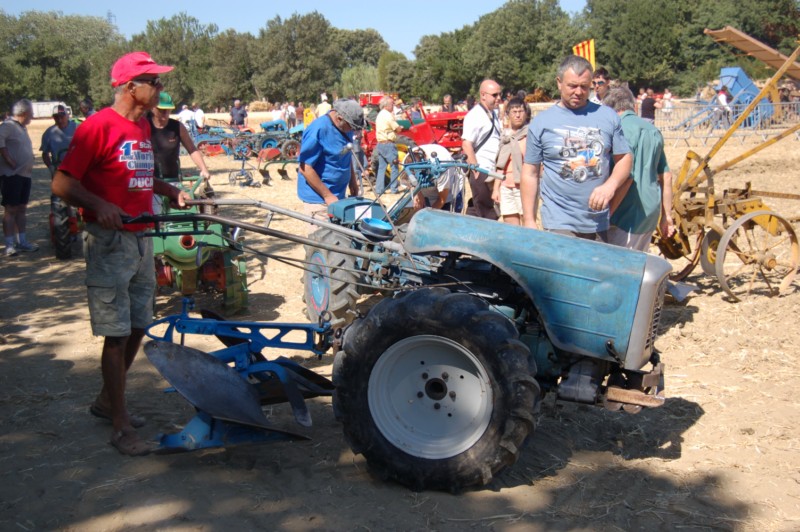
495,94
598,83
153,82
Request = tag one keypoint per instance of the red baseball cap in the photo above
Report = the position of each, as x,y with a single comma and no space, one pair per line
135,64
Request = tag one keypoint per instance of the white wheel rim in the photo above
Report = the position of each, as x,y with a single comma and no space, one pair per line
430,397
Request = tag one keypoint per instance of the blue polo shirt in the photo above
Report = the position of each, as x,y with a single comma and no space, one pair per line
323,148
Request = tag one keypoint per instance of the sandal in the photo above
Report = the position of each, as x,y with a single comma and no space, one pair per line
96,410
129,443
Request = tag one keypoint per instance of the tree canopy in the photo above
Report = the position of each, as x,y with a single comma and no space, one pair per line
658,43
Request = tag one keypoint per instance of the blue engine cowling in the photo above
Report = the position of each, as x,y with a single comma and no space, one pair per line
594,299
350,210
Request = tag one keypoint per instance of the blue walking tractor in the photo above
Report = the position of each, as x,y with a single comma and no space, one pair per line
439,384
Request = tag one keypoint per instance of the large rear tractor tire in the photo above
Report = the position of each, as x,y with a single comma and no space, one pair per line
435,390
330,281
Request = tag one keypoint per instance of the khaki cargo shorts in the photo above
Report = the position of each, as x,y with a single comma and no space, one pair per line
120,278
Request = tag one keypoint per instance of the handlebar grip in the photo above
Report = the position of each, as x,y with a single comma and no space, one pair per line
143,218
493,174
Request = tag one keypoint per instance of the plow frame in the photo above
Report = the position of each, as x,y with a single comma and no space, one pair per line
702,216
242,363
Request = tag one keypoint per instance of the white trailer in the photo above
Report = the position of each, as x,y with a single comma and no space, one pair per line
45,109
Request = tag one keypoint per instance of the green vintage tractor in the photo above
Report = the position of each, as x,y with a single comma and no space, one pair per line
192,255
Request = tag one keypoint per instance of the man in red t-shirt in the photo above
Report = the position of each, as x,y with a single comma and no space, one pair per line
108,171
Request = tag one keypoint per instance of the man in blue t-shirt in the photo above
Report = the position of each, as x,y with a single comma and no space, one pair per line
325,171
57,137
576,157
238,115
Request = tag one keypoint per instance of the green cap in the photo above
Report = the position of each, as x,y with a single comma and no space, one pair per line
165,101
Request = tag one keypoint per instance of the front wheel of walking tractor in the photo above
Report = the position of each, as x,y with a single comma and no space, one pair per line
435,390
331,280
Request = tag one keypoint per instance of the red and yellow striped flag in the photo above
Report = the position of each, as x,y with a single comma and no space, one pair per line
585,49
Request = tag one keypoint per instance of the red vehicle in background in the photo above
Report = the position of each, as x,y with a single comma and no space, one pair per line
434,128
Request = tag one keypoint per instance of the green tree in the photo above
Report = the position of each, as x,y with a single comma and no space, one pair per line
519,44
298,58
180,41
662,42
360,46
360,78
389,66
230,75
649,24
774,22
439,67
49,56
399,74
46,55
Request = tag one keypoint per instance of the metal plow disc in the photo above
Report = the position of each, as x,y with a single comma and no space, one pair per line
208,384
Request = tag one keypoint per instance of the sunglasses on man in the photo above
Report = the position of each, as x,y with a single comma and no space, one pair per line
153,82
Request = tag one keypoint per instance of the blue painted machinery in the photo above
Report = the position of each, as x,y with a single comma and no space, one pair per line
743,91
229,386
438,384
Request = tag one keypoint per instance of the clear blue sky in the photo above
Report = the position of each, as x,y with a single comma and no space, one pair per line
401,28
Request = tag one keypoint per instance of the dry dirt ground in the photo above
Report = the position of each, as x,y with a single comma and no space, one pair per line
721,454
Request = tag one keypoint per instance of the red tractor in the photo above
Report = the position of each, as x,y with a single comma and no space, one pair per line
434,128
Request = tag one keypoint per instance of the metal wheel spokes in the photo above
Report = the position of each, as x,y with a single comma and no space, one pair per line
430,397
757,255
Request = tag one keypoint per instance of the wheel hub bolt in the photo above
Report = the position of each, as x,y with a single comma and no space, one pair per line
424,375
420,395
452,395
437,406
445,375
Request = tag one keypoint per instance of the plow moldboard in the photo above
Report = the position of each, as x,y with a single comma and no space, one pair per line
208,383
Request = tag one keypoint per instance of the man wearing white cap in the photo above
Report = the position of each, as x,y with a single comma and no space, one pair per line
57,137
108,171
324,106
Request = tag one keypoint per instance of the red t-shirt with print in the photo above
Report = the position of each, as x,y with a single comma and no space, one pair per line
113,158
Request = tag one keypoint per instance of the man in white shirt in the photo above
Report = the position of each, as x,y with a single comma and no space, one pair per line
480,143
446,192
185,116
199,117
